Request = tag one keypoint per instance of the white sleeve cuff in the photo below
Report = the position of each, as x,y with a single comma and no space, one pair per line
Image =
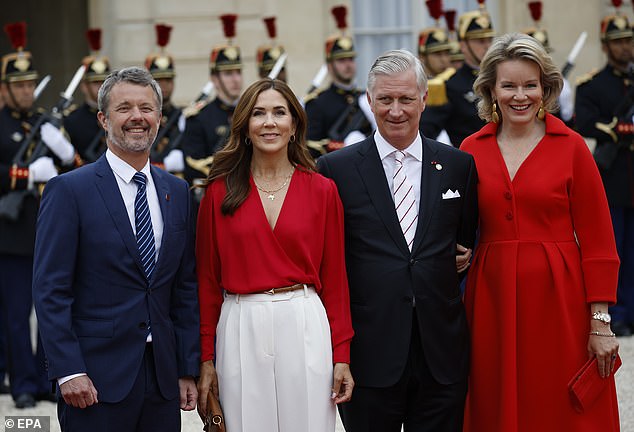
67,378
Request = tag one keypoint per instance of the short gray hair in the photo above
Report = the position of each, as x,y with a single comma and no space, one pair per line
396,61
132,75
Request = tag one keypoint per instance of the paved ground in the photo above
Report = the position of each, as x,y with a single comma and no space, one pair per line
191,422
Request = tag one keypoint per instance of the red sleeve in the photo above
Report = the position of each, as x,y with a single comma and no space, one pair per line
208,270
335,294
593,227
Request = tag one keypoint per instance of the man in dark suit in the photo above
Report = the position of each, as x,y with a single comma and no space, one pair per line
114,284
408,202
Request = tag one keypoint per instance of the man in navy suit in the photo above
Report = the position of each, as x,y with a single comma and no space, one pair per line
118,319
408,202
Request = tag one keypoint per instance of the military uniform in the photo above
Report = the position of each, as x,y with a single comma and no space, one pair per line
452,105
208,124
604,106
334,113
170,132
27,373
81,124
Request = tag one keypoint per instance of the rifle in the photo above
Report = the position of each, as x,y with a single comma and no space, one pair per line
158,154
317,80
33,148
570,61
277,67
93,152
41,86
350,119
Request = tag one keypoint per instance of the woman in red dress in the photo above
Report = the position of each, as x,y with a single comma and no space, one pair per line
546,265
272,281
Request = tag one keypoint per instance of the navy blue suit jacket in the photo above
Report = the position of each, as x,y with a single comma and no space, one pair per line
91,295
385,277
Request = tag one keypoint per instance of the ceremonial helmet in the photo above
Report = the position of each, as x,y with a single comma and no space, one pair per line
340,45
160,64
18,65
536,31
97,66
268,54
227,56
475,24
431,40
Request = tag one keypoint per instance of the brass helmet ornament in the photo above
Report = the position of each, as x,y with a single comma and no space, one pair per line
537,31
226,57
18,65
97,66
267,54
340,45
161,64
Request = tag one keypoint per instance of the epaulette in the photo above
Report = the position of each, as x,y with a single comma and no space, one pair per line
313,95
586,77
70,109
194,109
437,88
40,110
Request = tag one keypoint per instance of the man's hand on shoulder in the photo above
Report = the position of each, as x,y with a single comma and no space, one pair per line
79,392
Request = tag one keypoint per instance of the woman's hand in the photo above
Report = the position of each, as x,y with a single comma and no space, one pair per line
342,384
208,379
463,256
605,350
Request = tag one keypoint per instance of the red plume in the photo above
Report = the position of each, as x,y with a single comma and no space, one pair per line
536,10
450,17
270,27
481,3
163,34
17,34
229,24
94,38
339,12
435,8
617,3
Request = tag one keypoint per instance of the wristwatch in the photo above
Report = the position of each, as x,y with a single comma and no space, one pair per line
604,317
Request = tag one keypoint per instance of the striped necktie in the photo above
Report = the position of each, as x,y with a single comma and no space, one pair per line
404,199
143,223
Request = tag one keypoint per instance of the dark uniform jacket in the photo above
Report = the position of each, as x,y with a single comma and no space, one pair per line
167,140
325,109
597,101
459,116
16,237
85,133
205,133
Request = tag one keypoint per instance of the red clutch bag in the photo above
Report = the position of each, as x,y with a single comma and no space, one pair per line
587,384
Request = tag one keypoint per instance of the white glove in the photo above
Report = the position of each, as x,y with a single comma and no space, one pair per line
353,137
57,142
41,170
182,121
566,103
174,161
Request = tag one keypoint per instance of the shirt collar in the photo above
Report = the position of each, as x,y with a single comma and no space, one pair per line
124,170
415,149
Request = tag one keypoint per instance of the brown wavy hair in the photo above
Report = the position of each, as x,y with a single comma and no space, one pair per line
233,161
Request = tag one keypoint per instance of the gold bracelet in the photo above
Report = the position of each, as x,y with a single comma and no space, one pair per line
596,333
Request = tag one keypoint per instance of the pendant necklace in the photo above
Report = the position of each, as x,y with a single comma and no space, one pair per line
271,193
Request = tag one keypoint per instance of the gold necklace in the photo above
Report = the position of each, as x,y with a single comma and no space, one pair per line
271,193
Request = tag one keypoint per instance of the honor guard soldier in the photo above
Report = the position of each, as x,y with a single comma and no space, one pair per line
566,103
451,104
23,166
208,124
456,58
433,43
81,124
604,106
166,152
335,115
269,54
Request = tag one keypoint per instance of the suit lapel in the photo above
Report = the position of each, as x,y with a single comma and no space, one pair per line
163,192
372,175
109,190
429,190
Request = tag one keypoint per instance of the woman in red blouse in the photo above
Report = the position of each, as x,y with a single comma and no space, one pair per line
546,267
272,280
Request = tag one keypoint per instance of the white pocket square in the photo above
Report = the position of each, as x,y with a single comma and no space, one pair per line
451,194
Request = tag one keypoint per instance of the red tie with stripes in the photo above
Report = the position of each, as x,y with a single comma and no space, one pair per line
404,200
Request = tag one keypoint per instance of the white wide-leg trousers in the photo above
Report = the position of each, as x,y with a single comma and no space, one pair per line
274,363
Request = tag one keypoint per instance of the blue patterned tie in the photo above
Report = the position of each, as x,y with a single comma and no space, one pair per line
143,222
